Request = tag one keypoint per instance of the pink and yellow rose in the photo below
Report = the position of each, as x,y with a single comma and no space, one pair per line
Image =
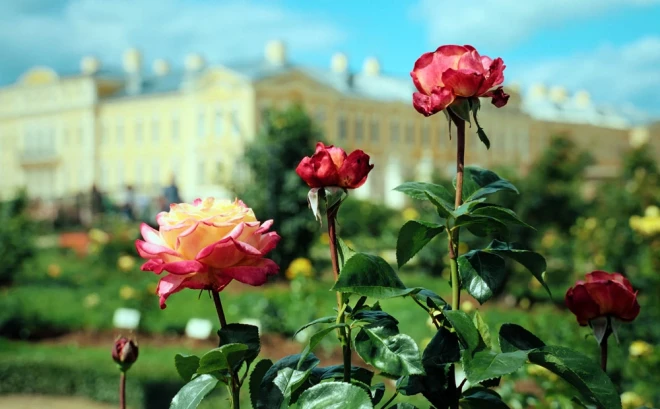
207,244
455,72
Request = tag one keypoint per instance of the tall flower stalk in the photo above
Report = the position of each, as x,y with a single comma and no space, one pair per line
234,385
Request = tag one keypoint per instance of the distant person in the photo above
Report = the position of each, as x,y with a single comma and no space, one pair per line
128,206
97,201
171,194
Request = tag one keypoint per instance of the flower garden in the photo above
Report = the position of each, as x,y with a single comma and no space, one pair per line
487,291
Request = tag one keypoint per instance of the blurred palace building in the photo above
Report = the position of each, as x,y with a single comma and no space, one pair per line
59,135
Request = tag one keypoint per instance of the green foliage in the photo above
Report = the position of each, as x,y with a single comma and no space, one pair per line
413,237
192,394
186,366
276,192
334,395
17,237
370,276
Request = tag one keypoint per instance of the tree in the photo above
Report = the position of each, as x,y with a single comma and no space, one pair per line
276,191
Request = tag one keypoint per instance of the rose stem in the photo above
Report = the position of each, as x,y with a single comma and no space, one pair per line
235,385
344,336
603,354
122,390
454,238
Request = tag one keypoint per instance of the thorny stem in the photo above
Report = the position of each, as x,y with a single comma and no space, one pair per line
235,385
454,238
603,354
344,335
122,390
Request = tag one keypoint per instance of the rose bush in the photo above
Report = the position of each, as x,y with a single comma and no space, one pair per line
207,244
455,72
331,166
602,294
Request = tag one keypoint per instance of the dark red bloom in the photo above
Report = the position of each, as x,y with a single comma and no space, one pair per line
330,166
602,295
125,352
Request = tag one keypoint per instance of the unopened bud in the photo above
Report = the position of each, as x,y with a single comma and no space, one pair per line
125,353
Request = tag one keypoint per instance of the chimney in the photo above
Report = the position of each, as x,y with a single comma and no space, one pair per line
90,65
339,63
371,67
275,53
133,67
161,67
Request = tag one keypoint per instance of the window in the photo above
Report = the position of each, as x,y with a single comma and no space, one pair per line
320,117
139,174
359,129
155,172
121,180
201,173
426,134
374,130
104,134
395,130
235,124
139,130
410,133
200,125
120,133
155,130
104,177
341,128
175,128
219,123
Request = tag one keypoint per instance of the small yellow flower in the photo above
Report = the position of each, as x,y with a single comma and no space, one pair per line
91,300
299,267
410,213
127,292
631,400
99,236
640,348
590,223
549,239
467,306
126,263
652,211
54,270
525,303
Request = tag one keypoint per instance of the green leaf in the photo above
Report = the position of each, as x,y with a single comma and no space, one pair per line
282,380
222,358
418,190
582,372
500,213
334,395
193,392
513,337
396,354
376,319
403,405
461,107
344,252
186,366
443,349
434,385
413,236
431,299
314,341
533,262
481,225
479,182
336,372
482,274
467,207
242,334
377,392
488,364
468,335
322,320
482,327
256,376
370,276
445,210
481,398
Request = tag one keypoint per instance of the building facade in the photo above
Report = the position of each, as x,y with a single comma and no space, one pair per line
60,135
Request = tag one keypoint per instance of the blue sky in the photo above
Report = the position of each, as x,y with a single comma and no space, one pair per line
611,48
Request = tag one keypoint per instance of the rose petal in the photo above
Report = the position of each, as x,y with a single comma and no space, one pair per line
500,98
255,275
440,99
150,250
325,169
612,297
579,301
355,169
202,235
599,275
171,284
464,83
486,62
226,253
152,265
471,61
183,267
494,77
338,155
268,242
150,235
428,69
305,170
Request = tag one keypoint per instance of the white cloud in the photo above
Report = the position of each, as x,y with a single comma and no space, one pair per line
500,23
57,32
617,76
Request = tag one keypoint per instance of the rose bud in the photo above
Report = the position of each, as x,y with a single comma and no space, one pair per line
602,294
331,166
455,72
125,353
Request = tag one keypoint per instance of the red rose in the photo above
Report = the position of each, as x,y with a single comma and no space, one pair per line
455,71
330,166
600,295
124,353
